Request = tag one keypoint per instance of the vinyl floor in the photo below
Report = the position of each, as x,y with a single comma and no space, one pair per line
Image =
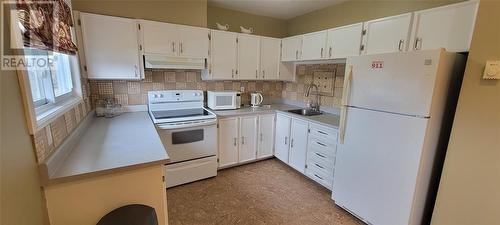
266,192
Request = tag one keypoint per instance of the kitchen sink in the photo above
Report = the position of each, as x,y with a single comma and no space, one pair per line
305,112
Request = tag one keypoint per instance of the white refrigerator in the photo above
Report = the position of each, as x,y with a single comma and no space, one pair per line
392,115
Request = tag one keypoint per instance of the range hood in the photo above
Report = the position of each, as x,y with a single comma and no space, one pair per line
172,62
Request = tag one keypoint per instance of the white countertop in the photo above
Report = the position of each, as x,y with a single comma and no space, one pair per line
109,144
327,119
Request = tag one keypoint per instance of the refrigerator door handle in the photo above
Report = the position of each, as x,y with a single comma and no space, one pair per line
345,98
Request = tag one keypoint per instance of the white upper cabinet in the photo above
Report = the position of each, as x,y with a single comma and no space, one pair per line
174,40
386,35
290,48
343,42
313,45
248,57
193,41
223,55
448,27
160,38
110,55
269,57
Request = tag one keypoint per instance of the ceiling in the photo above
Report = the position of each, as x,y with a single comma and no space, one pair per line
280,9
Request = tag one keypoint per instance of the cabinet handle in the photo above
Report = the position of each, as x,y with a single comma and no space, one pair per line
135,70
232,73
330,52
256,73
400,45
296,54
286,140
321,56
291,143
235,141
417,45
321,132
261,138
319,166
242,140
173,46
319,143
318,177
322,156
263,73
181,48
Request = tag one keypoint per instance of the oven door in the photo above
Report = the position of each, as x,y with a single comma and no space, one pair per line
189,141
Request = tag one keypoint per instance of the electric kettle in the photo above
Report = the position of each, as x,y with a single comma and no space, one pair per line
256,99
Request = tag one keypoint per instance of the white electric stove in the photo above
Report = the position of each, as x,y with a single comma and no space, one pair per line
189,133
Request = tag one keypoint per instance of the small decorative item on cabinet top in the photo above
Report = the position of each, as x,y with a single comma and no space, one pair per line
222,27
246,31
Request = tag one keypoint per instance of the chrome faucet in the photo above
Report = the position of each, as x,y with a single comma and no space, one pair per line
314,105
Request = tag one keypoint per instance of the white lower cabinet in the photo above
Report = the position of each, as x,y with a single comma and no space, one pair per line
228,141
307,147
245,138
282,137
298,145
321,150
266,136
248,138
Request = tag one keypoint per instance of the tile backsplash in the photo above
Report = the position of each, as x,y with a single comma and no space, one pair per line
135,92
330,78
47,139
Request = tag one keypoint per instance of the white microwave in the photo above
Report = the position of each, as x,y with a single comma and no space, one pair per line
220,100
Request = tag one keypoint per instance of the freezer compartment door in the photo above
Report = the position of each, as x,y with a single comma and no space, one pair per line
376,168
395,82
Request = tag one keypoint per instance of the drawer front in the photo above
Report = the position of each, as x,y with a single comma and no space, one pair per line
324,133
320,166
322,145
318,157
325,180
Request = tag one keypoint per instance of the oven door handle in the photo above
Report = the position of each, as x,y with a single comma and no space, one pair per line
188,125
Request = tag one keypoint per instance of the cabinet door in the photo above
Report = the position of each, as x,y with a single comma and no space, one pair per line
313,45
448,27
160,38
228,141
344,42
110,55
248,138
266,136
290,48
193,41
298,145
269,57
282,140
386,35
248,57
223,55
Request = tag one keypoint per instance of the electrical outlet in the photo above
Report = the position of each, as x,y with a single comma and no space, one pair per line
242,89
492,70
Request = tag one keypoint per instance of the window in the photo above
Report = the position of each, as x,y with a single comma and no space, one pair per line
50,78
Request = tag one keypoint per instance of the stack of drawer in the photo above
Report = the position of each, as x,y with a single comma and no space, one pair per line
322,146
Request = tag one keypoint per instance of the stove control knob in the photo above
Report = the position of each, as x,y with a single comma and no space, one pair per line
155,96
161,95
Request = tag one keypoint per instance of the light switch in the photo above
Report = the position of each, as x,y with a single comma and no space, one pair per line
492,70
